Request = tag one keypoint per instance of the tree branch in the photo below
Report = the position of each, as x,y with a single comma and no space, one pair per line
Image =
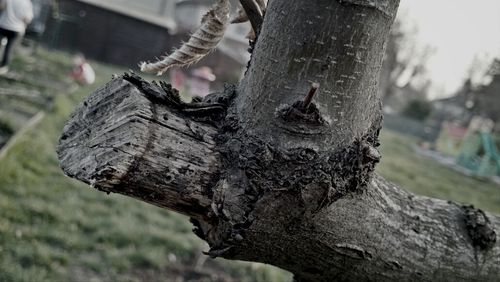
339,46
254,14
274,183
119,141
385,234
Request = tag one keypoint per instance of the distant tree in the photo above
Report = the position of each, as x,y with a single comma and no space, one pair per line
418,109
404,62
486,98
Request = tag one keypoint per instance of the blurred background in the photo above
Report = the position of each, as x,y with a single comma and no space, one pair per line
440,84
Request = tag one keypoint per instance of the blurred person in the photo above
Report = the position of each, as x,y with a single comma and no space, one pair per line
199,84
14,18
82,72
178,79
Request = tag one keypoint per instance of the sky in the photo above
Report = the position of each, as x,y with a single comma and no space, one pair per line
458,30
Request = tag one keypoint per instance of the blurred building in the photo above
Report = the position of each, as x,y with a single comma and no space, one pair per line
480,100
126,32
41,13
456,108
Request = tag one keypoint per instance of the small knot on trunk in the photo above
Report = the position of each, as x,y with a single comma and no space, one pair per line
479,228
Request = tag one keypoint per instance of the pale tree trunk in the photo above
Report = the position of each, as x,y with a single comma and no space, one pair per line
268,178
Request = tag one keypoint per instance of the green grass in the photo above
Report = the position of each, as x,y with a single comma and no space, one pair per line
53,228
424,176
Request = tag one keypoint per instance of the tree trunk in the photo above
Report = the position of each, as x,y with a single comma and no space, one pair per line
271,175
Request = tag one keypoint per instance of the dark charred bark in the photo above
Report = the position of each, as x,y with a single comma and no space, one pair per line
282,172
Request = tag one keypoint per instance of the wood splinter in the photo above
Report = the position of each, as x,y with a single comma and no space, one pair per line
310,96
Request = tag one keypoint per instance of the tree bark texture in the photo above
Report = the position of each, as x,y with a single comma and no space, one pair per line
117,137
268,177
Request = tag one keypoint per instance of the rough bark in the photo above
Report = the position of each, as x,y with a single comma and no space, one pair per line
269,178
119,140
337,44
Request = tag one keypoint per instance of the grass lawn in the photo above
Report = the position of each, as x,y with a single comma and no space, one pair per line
53,228
426,177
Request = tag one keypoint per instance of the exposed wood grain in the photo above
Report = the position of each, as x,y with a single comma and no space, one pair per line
119,141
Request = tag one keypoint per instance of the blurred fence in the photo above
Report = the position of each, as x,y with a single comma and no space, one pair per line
422,130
